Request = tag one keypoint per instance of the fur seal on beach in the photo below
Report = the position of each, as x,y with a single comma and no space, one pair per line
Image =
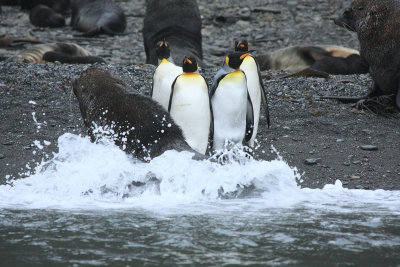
320,57
63,52
10,41
176,21
44,16
94,17
139,125
59,6
377,24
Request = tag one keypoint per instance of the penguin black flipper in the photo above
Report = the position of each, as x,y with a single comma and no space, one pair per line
151,90
263,95
172,94
215,84
211,133
249,119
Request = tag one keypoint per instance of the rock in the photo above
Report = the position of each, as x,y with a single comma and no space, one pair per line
355,177
369,147
8,143
312,161
2,156
243,24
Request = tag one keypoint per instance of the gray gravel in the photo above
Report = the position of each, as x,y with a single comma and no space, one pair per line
359,148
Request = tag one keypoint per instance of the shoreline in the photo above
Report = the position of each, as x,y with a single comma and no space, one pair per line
323,139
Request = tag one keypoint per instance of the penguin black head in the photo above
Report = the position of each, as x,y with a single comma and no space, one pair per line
162,50
190,64
235,59
242,46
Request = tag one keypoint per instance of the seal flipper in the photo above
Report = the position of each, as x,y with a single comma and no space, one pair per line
249,119
374,91
90,33
53,56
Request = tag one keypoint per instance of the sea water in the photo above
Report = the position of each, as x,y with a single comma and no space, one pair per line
92,204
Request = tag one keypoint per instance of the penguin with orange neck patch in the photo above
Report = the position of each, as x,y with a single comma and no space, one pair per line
255,86
164,75
190,107
231,104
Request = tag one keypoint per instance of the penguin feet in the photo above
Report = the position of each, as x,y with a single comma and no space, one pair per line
249,152
236,153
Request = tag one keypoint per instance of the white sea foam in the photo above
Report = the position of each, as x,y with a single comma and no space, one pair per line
85,175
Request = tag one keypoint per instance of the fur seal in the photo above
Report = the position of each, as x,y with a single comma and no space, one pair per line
352,64
29,4
176,21
377,24
94,17
44,16
321,58
63,52
140,125
10,41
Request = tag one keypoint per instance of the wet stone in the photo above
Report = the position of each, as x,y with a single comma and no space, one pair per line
346,163
359,186
312,161
2,156
8,143
369,147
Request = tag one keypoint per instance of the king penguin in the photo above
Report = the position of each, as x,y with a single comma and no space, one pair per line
231,104
255,86
164,75
190,107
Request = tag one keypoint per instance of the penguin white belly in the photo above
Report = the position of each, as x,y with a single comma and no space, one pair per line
249,67
163,78
229,105
190,109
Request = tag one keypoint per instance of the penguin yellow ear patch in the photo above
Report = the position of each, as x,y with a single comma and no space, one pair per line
188,61
241,45
244,55
227,61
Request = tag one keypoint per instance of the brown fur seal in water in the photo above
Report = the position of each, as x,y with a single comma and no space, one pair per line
140,125
176,21
44,16
377,23
94,17
319,57
63,52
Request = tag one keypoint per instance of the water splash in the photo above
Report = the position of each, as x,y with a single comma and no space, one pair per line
87,175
